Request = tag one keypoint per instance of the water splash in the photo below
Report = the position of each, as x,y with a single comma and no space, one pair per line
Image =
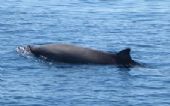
23,50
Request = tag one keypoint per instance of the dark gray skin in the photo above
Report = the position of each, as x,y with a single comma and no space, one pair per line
81,55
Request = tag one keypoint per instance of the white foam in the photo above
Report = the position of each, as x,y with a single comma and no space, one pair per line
23,50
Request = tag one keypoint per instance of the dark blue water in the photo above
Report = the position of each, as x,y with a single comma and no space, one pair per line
109,25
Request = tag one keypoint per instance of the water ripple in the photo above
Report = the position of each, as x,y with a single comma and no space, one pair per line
105,25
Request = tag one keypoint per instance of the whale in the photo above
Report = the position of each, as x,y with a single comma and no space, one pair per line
74,54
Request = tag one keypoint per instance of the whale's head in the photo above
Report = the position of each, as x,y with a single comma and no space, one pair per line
123,59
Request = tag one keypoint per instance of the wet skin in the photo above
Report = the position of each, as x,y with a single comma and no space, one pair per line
81,55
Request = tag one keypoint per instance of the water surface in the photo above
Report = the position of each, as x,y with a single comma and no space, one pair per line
109,25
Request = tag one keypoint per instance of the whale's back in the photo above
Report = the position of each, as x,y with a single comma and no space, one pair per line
72,54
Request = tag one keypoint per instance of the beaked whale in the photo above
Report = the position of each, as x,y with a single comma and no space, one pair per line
72,54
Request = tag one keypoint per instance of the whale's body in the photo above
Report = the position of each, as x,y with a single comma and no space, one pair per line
80,55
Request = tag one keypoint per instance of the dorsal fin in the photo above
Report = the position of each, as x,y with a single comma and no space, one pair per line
123,57
125,52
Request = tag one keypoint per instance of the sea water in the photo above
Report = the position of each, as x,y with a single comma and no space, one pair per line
108,25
